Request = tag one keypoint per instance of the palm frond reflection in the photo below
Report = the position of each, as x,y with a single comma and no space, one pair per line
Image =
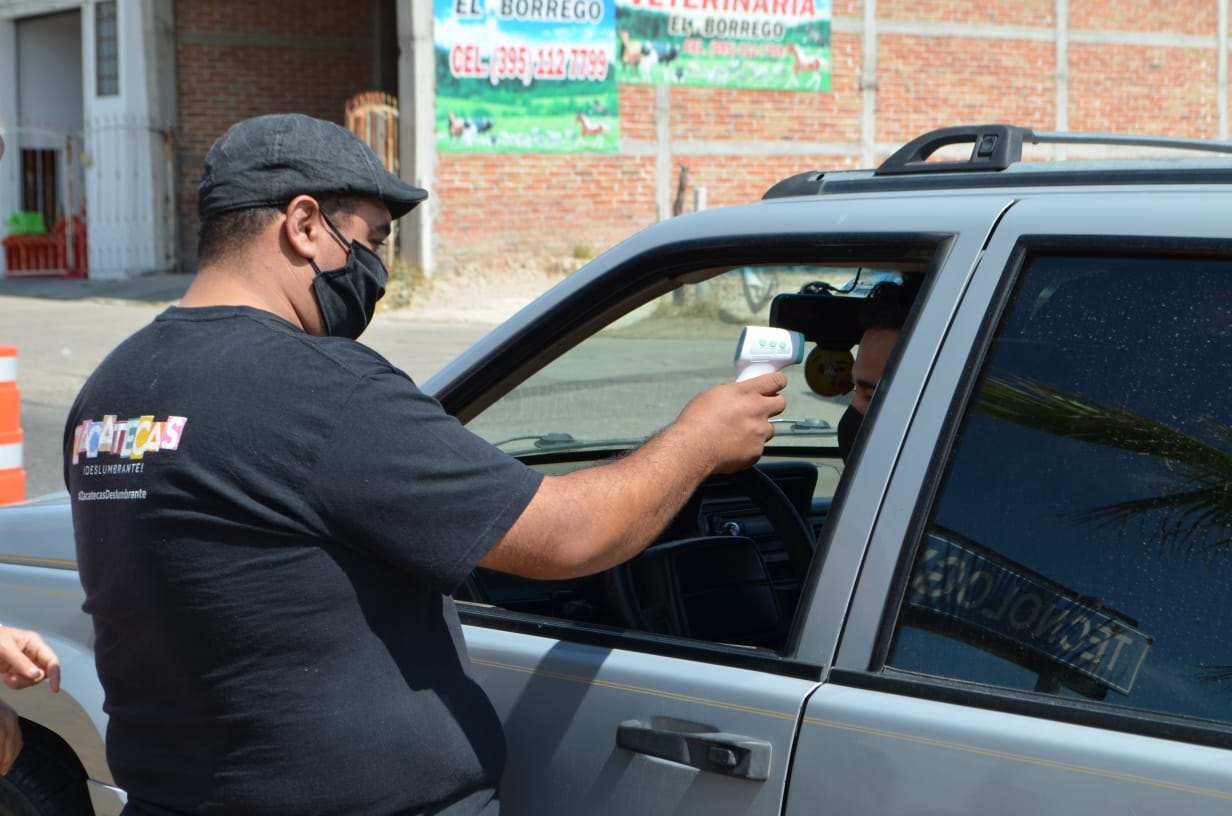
1194,515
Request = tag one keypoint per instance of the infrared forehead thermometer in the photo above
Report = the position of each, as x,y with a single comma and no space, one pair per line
762,349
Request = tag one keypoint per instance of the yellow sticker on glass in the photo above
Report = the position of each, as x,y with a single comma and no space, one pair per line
828,371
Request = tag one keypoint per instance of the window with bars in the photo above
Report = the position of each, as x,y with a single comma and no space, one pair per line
106,49
40,183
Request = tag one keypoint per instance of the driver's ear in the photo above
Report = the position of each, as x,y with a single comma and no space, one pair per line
302,228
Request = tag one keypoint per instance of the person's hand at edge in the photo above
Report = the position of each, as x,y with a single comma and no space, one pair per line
26,659
10,738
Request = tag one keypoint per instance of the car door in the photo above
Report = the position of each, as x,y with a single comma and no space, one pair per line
601,717
1041,622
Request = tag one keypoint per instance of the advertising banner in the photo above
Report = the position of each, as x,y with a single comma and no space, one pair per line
526,76
778,45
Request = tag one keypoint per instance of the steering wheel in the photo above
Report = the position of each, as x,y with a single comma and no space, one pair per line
791,529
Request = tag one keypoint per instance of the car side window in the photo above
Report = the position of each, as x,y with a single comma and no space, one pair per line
1080,542
728,568
631,378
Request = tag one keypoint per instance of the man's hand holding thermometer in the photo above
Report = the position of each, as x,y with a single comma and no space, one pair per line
725,428
762,349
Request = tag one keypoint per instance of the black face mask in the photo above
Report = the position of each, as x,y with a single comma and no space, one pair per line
848,429
347,296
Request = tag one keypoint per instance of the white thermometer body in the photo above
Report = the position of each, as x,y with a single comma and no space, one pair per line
762,349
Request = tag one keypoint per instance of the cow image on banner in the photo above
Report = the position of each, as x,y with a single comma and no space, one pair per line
774,45
521,76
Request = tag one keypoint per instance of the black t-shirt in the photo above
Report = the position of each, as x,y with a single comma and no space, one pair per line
268,525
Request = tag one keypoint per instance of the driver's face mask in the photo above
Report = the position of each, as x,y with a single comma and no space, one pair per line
847,431
347,296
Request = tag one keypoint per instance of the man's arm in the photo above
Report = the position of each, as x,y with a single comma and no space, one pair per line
592,519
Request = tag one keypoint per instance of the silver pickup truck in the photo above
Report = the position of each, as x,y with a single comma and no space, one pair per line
1013,596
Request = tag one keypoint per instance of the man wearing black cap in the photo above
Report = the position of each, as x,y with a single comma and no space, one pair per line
270,517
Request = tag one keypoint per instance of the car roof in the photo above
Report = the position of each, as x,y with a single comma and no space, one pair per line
996,161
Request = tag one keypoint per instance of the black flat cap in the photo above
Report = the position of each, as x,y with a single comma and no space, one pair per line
269,160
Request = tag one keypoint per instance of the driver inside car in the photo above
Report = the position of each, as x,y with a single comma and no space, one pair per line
881,316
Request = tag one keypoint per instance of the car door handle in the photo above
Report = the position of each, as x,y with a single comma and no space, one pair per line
713,751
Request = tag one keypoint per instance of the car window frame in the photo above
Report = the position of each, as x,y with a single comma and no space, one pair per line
920,466
751,253
773,232
830,588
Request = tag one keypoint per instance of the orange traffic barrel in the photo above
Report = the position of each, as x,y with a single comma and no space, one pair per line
12,477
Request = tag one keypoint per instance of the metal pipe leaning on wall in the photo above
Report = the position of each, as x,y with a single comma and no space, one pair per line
12,477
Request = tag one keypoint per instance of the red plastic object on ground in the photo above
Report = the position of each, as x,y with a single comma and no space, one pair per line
46,255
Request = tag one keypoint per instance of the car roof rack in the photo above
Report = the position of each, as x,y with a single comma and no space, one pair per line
995,148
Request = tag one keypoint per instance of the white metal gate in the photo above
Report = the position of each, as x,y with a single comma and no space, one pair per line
45,221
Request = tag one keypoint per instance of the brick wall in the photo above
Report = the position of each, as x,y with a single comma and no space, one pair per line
1132,65
236,59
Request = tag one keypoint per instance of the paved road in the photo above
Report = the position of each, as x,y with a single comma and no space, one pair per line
63,329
